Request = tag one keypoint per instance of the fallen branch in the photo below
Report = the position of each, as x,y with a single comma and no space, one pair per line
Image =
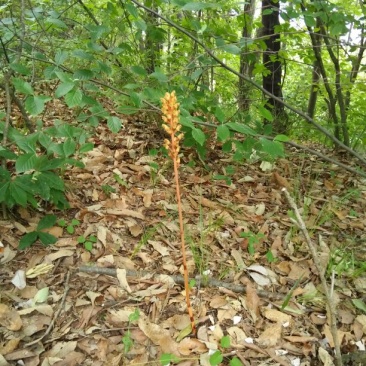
332,311
179,280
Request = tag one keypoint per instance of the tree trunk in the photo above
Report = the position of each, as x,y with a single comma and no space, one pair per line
273,77
247,58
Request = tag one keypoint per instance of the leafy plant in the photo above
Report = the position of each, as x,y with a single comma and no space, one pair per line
108,190
70,227
253,239
88,241
45,238
126,339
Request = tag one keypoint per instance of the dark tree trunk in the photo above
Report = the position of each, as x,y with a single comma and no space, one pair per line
272,80
247,58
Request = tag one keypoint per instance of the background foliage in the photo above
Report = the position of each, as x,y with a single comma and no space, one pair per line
105,60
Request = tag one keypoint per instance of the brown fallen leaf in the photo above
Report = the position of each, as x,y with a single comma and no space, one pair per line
280,181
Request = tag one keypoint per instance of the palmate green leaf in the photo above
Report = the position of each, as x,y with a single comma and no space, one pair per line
22,86
46,222
48,182
114,124
18,193
26,162
27,240
28,143
199,136
45,163
7,154
74,97
64,88
69,147
4,191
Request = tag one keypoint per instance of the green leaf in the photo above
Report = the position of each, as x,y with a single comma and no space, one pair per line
282,138
309,20
18,193
64,88
140,24
52,180
86,147
27,240
127,109
273,148
225,342
138,70
83,74
7,154
134,316
235,362
20,69
61,57
69,147
35,104
359,304
46,238
159,76
83,55
74,97
22,86
4,191
25,162
58,23
216,358
242,128
46,222
196,6
199,136
114,124
132,9
223,132
167,358
231,48
265,113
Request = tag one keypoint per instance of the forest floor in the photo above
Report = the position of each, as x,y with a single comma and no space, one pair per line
258,300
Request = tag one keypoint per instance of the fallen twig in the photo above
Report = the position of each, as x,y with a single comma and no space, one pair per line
179,280
332,312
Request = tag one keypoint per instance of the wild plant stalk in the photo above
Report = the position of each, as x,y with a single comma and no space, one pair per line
171,125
